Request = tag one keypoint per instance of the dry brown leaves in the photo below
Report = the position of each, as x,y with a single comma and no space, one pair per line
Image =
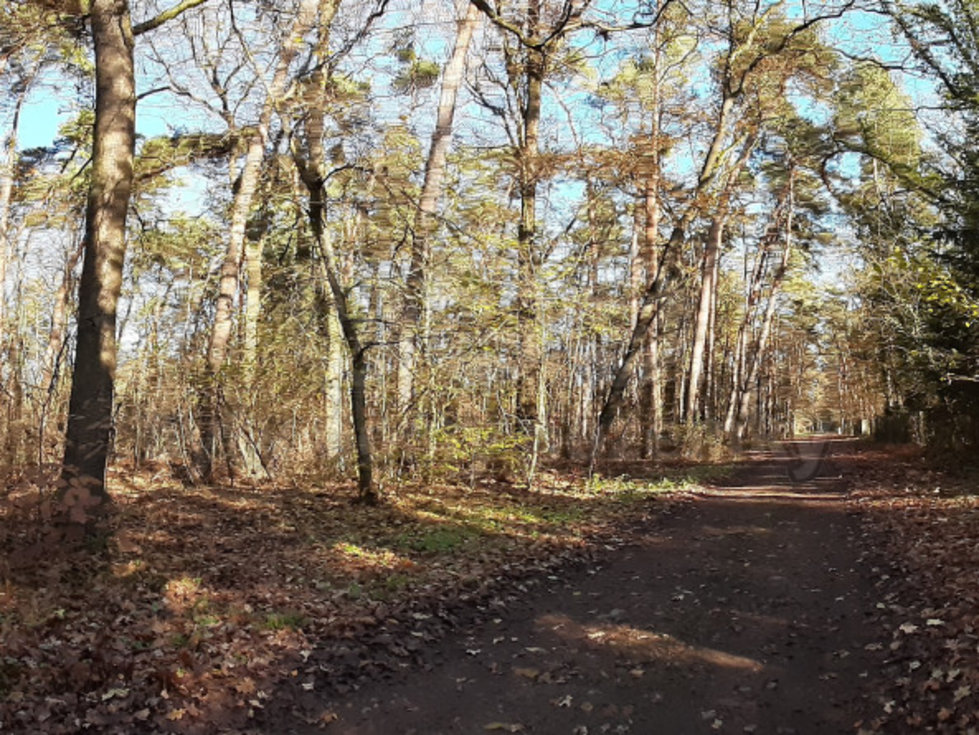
922,535
204,609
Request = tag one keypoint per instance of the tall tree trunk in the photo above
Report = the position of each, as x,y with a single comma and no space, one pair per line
652,393
212,426
412,339
248,437
253,308
710,367
7,173
310,163
752,297
89,430
330,271
333,388
528,257
652,399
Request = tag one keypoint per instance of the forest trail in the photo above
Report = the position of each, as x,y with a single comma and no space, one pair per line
742,610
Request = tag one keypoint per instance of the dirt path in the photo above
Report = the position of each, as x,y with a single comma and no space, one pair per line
740,611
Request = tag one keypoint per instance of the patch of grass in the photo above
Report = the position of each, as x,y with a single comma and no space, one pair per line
627,490
562,516
390,586
287,620
179,640
706,473
207,621
437,540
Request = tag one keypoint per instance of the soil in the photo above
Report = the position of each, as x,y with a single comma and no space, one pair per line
743,609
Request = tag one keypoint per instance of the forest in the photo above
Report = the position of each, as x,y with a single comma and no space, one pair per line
325,323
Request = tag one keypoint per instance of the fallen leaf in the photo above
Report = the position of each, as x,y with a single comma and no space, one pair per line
527,673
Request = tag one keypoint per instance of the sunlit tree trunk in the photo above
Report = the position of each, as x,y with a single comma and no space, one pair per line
248,439
753,294
710,367
7,173
652,389
14,387
332,440
253,308
212,427
529,384
89,430
657,280
55,350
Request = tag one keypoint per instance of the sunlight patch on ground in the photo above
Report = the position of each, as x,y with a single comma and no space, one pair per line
362,557
639,644
774,492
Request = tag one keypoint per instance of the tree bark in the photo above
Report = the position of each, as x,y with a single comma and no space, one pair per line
330,270
333,383
652,394
710,367
528,257
752,297
7,173
89,430
212,427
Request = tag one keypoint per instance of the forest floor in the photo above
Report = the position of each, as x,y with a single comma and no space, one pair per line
802,593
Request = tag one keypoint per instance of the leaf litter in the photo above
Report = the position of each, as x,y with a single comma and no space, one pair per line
921,539
197,603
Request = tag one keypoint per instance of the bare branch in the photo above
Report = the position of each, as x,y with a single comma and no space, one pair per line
166,16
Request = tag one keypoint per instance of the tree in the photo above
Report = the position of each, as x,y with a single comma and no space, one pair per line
309,153
89,430
945,48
